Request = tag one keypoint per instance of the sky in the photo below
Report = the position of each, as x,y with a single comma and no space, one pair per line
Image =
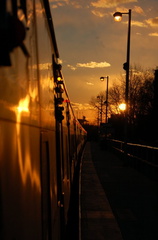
91,44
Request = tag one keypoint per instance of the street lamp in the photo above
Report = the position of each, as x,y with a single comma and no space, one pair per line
106,96
117,16
122,106
126,65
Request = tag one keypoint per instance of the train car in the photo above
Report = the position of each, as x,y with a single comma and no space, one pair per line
40,138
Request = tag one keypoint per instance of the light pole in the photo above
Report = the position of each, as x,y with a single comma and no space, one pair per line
126,66
106,96
101,107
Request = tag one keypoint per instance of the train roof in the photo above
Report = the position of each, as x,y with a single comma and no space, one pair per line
51,26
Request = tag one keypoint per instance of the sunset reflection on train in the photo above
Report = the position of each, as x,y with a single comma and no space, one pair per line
41,139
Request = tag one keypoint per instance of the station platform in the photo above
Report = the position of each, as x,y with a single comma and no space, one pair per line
97,219
117,202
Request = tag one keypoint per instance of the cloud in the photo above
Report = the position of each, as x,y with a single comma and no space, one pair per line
139,34
153,22
93,65
71,67
76,5
84,109
54,6
57,3
153,34
109,3
81,106
138,24
89,83
89,65
98,13
138,9
61,3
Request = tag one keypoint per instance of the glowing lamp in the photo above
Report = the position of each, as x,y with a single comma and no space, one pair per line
101,78
117,16
59,79
122,106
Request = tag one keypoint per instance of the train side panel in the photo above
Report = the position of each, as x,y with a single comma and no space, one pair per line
38,151
46,55
22,104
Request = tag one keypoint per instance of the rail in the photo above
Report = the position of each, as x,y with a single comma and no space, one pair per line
143,153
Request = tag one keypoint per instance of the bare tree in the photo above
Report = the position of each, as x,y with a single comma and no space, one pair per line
98,102
116,97
141,93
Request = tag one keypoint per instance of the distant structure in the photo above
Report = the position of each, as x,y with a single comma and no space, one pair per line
83,121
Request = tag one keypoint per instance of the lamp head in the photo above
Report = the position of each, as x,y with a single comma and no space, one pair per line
101,78
122,106
117,16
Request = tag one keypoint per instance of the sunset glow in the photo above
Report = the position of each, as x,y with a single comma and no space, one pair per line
92,44
27,172
23,105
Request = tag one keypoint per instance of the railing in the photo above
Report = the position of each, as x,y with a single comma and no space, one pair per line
140,156
147,154
117,145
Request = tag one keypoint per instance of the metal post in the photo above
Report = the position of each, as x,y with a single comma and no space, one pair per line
101,101
106,97
127,80
106,117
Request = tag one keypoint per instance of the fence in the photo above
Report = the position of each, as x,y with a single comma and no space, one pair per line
142,157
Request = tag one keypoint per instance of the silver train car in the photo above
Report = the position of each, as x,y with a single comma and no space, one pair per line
40,138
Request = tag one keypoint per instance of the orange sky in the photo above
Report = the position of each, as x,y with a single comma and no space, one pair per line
91,44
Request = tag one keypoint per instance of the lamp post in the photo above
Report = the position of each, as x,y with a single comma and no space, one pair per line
106,96
101,106
126,65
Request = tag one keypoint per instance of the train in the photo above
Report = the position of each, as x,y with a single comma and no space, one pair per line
41,140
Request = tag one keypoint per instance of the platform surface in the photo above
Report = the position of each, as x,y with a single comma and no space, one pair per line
97,219
117,201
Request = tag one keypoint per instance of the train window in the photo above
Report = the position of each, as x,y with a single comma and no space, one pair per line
12,30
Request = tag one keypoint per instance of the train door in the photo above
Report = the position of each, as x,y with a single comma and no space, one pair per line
69,158
75,142
60,171
45,188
